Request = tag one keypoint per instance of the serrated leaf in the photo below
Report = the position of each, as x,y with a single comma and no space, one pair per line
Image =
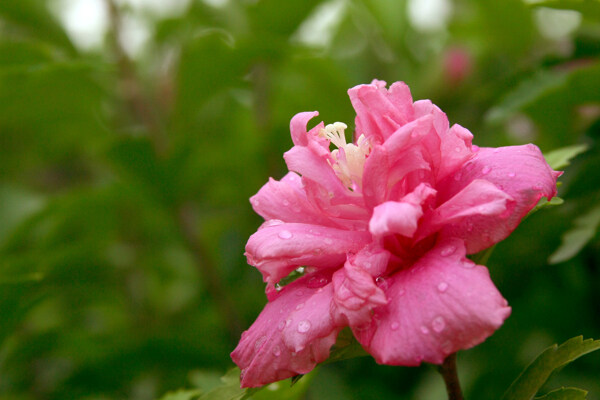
554,357
544,202
560,158
584,229
564,394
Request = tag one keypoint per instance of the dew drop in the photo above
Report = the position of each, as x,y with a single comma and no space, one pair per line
395,326
442,287
537,186
328,241
300,270
448,251
285,234
457,149
303,326
299,293
276,351
318,251
468,264
511,174
438,324
486,170
281,325
469,226
424,330
300,306
401,292
381,282
272,222
260,341
286,203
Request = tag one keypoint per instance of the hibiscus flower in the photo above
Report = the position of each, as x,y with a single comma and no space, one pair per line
383,226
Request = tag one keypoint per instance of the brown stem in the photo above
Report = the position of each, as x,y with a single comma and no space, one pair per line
450,375
144,112
186,218
131,90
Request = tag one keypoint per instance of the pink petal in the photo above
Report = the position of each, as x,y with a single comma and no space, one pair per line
279,248
311,165
519,171
356,294
478,198
402,216
288,339
442,304
286,200
456,149
380,112
298,127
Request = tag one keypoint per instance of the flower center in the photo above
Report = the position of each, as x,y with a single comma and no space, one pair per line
348,160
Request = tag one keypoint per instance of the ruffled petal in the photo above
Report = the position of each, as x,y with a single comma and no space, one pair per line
355,291
442,304
287,201
401,217
291,335
298,127
380,112
480,198
519,171
277,248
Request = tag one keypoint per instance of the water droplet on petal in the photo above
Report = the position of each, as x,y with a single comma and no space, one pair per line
260,341
299,306
381,282
281,325
401,292
424,330
299,293
272,222
303,326
469,226
537,186
276,351
486,170
468,264
286,203
285,234
457,149
438,324
448,251
328,241
394,326
511,174
442,287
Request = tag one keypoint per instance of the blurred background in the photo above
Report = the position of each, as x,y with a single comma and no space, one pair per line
133,132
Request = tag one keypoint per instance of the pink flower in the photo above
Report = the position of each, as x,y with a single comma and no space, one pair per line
383,226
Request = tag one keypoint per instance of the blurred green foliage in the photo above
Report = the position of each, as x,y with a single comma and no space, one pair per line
125,177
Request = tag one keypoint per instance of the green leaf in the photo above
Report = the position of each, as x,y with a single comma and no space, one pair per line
182,395
564,394
584,229
544,202
346,347
554,357
560,158
527,92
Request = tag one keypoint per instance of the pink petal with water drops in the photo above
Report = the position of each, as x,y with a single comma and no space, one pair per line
356,293
277,248
442,304
519,171
263,353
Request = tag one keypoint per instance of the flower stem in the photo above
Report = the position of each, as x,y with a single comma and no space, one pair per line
450,375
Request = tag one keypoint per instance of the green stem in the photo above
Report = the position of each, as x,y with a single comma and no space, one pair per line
450,375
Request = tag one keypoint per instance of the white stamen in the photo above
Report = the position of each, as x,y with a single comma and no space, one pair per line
349,158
